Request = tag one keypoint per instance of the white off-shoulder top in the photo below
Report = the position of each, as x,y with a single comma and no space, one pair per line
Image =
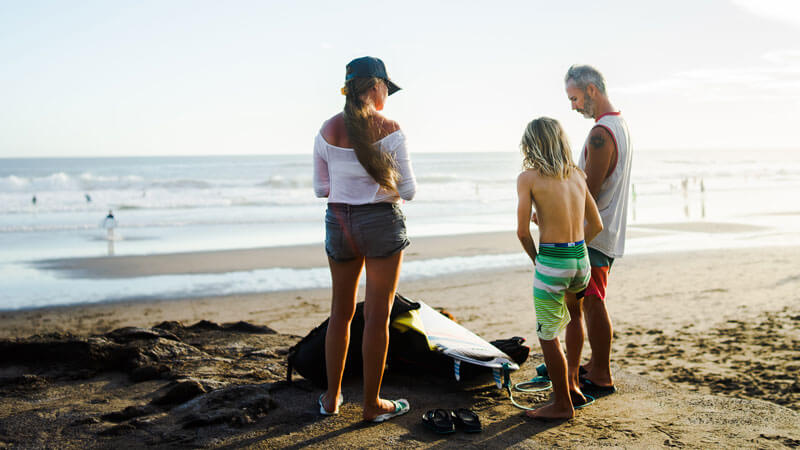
339,176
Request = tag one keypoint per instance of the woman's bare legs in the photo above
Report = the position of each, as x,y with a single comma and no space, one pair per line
344,280
382,275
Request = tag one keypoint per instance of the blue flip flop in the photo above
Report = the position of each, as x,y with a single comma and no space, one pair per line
322,409
401,407
541,370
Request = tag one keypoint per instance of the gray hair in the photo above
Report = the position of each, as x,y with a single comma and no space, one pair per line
583,75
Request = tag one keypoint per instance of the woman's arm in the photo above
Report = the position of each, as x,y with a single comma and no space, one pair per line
407,187
322,181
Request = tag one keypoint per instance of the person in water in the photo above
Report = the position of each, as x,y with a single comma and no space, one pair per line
362,166
553,184
109,223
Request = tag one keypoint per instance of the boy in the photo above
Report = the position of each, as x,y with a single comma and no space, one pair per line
557,188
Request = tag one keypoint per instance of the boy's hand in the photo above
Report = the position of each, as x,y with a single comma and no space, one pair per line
535,218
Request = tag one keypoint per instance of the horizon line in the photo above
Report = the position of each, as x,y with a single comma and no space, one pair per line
238,155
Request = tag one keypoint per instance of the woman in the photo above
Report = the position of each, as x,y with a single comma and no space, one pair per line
361,165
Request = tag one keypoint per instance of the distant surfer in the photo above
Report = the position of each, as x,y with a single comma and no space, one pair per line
33,201
557,188
606,160
88,198
109,223
364,226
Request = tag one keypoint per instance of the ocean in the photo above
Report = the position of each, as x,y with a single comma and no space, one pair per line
184,204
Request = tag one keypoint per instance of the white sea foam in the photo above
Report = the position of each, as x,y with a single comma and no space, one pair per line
194,204
35,289
29,288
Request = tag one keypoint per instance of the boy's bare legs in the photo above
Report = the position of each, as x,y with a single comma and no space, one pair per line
382,275
600,331
574,338
561,407
344,281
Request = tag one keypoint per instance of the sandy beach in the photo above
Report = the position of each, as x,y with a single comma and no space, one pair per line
705,355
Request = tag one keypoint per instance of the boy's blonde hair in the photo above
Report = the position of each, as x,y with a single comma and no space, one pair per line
545,148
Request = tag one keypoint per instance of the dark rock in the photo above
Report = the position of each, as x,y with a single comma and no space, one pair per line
118,430
228,416
128,334
234,405
143,422
26,381
51,349
242,327
263,353
149,372
246,327
205,325
86,421
129,413
181,392
170,325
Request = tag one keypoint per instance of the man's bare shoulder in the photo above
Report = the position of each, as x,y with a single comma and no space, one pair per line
600,137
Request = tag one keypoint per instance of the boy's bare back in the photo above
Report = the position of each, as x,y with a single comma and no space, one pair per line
561,206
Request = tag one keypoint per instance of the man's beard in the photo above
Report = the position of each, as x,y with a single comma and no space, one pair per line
588,107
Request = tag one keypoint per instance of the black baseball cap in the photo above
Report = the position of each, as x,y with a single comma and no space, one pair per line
368,67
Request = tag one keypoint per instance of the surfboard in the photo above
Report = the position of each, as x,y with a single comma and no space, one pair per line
450,338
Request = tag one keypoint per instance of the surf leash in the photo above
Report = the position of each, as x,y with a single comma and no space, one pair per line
533,385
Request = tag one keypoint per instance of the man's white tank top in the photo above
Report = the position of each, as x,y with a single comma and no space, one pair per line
613,199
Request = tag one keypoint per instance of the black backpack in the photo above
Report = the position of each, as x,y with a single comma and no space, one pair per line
307,357
408,351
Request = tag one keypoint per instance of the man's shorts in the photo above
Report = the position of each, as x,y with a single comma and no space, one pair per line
601,266
560,268
374,230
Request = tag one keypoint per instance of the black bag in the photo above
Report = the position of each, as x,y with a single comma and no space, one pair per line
307,357
408,351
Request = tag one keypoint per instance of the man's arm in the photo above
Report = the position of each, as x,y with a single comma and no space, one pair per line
594,224
524,204
601,151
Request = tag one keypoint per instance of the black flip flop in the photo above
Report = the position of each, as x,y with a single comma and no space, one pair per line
588,387
467,420
587,400
541,370
439,420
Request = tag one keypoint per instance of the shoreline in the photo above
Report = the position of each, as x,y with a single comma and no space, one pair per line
270,270
308,256
635,278
303,256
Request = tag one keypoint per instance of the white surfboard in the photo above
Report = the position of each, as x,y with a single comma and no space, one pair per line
455,341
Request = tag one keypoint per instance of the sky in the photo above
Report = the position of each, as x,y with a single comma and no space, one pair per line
148,78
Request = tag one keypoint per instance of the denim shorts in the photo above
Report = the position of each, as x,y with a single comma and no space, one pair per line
374,230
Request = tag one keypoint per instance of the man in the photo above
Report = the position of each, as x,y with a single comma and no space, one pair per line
606,160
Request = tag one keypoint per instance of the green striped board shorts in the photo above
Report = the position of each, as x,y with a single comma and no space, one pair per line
560,268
